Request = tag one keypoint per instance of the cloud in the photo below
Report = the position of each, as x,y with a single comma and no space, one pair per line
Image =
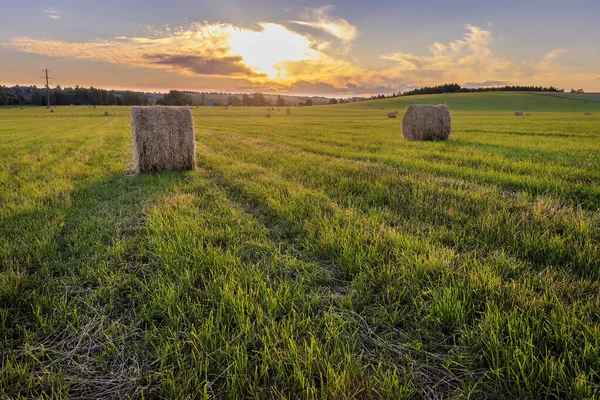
471,59
271,57
340,28
224,66
460,60
52,13
201,49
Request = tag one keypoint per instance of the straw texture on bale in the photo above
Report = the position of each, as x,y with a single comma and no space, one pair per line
163,139
427,122
518,113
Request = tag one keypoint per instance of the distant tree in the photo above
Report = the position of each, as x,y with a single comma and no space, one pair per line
246,100
177,98
3,97
112,98
258,100
202,99
280,102
36,97
333,101
308,102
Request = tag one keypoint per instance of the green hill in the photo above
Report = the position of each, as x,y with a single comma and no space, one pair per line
490,101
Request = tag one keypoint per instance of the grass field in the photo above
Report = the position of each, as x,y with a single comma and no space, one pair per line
318,255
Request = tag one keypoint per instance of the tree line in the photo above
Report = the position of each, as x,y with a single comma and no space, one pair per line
456,88
32,95
259,100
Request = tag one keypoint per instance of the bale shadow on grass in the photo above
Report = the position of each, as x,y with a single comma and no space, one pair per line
68,324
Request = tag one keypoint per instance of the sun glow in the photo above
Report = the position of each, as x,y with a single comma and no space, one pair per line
265,50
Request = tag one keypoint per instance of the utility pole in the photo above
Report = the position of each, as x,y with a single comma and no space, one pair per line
47,86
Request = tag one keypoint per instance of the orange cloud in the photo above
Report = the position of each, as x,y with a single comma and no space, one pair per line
337,27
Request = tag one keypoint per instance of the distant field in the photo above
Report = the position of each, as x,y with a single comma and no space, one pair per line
318,255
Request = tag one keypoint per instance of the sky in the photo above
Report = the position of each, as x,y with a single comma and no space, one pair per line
335,48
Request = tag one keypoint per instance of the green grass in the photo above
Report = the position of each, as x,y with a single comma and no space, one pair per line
313,256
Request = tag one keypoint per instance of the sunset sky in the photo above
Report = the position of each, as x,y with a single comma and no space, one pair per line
338,48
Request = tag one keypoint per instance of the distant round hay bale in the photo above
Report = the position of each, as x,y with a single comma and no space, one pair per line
288,111
427,122
518,113
392,115
588,113
94,107
51,111
163,139
381,108
21,108
268,115
106,113
528,115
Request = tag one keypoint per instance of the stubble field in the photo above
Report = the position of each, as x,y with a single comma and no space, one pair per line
317,255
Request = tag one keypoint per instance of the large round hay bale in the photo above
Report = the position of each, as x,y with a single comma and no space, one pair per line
427,122
518,113
163,139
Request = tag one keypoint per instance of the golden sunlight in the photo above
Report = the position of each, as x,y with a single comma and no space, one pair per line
265,50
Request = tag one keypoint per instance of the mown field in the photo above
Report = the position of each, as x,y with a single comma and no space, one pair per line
318,255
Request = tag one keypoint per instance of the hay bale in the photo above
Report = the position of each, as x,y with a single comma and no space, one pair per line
518,113
51,111
94,107
288,111
392,115
268,115
528,115
588,113
427,122
381,108
163,139
106,113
